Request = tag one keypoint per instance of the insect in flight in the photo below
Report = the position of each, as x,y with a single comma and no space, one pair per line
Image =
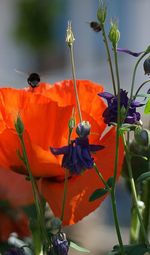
95,26
33,80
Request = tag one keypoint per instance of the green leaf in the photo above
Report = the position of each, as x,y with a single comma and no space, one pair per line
98,193
143,177
147,107
110,181
78,248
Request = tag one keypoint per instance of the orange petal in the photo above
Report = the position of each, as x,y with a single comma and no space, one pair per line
81,187
63,93
42,162
15,189
9,224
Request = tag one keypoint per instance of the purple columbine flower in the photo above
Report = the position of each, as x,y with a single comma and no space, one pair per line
15,251
77,155
60,245
132,53
110,113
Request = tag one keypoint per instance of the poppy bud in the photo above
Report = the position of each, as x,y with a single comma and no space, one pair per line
114,34
83,129
101,13
19,126
146,66
142,137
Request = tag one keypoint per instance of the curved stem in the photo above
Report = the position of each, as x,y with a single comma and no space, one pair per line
74,81
133,77
109,58
135,199
140,88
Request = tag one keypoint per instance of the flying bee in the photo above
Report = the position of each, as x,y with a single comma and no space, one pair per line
33,80
95,26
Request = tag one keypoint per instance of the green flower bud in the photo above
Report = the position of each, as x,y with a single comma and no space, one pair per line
114,34
71,123
69,36
19,126
142,137
102,13
146,66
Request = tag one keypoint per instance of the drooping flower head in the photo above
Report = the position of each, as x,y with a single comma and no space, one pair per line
60,244
77,155
111,112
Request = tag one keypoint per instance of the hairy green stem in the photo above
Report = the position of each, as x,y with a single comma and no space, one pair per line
134,194
64,194
37,199
108,58
113,201
74,82
134,73
145,197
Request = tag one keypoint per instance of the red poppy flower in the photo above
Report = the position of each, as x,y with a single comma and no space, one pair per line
45,112
15,192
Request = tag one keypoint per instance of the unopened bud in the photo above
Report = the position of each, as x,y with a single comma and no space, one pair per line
71,123
69,37
83,129
19,126
142,137
146,66
114,34
101,13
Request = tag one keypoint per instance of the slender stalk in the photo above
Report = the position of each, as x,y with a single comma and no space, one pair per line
145,197
134,73
140,88
135,199
74,81
109,58
64,194
113,201
39,209
101,177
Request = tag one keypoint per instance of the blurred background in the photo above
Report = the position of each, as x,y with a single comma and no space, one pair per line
32,39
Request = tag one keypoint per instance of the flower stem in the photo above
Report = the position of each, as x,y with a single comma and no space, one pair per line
101,177
64,194
134,73
113,201
145,197
38,204
74,81
140,88
108,58
135,199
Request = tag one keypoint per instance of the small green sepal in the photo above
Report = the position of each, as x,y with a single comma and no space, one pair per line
19,126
